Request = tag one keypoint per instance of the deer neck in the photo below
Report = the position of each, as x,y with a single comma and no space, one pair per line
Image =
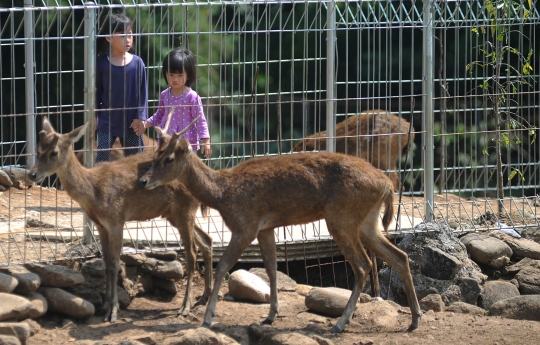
204,183
75,178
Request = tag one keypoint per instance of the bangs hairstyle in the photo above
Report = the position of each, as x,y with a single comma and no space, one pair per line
113,23
180,61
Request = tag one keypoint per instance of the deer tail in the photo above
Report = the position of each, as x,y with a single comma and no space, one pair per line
388,200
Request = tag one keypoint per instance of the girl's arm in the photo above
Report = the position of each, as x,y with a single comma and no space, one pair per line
202,127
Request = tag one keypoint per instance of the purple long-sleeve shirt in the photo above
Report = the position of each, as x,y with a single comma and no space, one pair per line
121,95
186,108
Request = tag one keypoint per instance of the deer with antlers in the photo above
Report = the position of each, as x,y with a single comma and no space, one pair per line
348,192
110,195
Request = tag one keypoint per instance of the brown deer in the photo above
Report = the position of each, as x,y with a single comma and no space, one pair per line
375,135
110,195
346,191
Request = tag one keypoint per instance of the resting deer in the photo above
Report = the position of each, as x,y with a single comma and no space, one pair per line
375,135
346,191
110,195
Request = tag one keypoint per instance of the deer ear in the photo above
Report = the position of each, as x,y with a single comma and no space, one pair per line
47,127
77,133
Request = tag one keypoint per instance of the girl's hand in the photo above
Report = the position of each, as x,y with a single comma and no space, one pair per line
138,126
206,150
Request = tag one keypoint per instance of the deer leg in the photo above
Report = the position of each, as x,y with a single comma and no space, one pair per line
267,245
186,233
104,240
204,243
240,240
373,239
114,248
354,252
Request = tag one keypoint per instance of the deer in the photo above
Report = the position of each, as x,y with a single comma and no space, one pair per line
109,193
375,135
346,191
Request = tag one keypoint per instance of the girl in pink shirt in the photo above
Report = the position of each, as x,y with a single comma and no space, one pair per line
180,71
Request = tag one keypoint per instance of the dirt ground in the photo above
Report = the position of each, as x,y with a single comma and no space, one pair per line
157,314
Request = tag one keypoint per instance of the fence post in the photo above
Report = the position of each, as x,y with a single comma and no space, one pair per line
330,76
29,65
89,96
427,109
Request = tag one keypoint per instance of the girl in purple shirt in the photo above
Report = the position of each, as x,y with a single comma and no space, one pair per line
121,92
180,71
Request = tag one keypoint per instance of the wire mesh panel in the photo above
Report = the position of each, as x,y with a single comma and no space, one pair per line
276,77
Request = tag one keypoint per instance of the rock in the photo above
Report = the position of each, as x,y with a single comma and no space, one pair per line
247,286
380,314
21,330
56,275
284,282
518,266
38,306
168,255
9,340
487,250
328,301
440,265
28,281
522,247
94,268
465,308
7,283
451,295
432,302
133,259
165,285
286,338
163,269
124,300
529,280
13,306
303,290
495,291
198,336
5,180
63,302
470,290
532,233
519,307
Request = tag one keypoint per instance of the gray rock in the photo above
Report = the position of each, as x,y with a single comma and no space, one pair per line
124,300
520,307
328,301
451,295
532,233
133,259
38,306
21,330
165,285
7,283
380,314
163,269
13,306
198,336
495,291
28,281
247,286
470,290
286,338
522,247
63,302
284,282
518,266
5,180
440,265
465,308
9,340
168,255
94,268
432,302
487,250
528,279
56,275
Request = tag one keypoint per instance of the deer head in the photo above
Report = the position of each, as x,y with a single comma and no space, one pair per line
52,150
170,158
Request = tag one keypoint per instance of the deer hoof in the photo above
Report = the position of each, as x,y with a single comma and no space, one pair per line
335,329
267,322
205,325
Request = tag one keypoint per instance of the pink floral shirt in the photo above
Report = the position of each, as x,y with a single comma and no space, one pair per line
187,107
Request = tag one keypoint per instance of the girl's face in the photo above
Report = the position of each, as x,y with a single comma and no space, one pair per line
177,80
121,42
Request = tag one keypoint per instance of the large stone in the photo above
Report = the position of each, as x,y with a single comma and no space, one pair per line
518,266
9,340
249,287
522,247
432,302
529,280
165,285
328,301
13,306
470,290
167,255
495,291
133,259
198,336
440,265
379,314
163,269
283,281
465,308
287,338
519,307
63,302
28,281
56,275
487,250
7,283
21,330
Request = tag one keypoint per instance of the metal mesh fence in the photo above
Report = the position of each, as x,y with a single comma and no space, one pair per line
272,73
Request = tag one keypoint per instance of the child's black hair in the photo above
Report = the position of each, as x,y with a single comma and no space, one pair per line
180,61
114,23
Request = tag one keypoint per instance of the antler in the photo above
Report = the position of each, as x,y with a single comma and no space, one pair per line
188,126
